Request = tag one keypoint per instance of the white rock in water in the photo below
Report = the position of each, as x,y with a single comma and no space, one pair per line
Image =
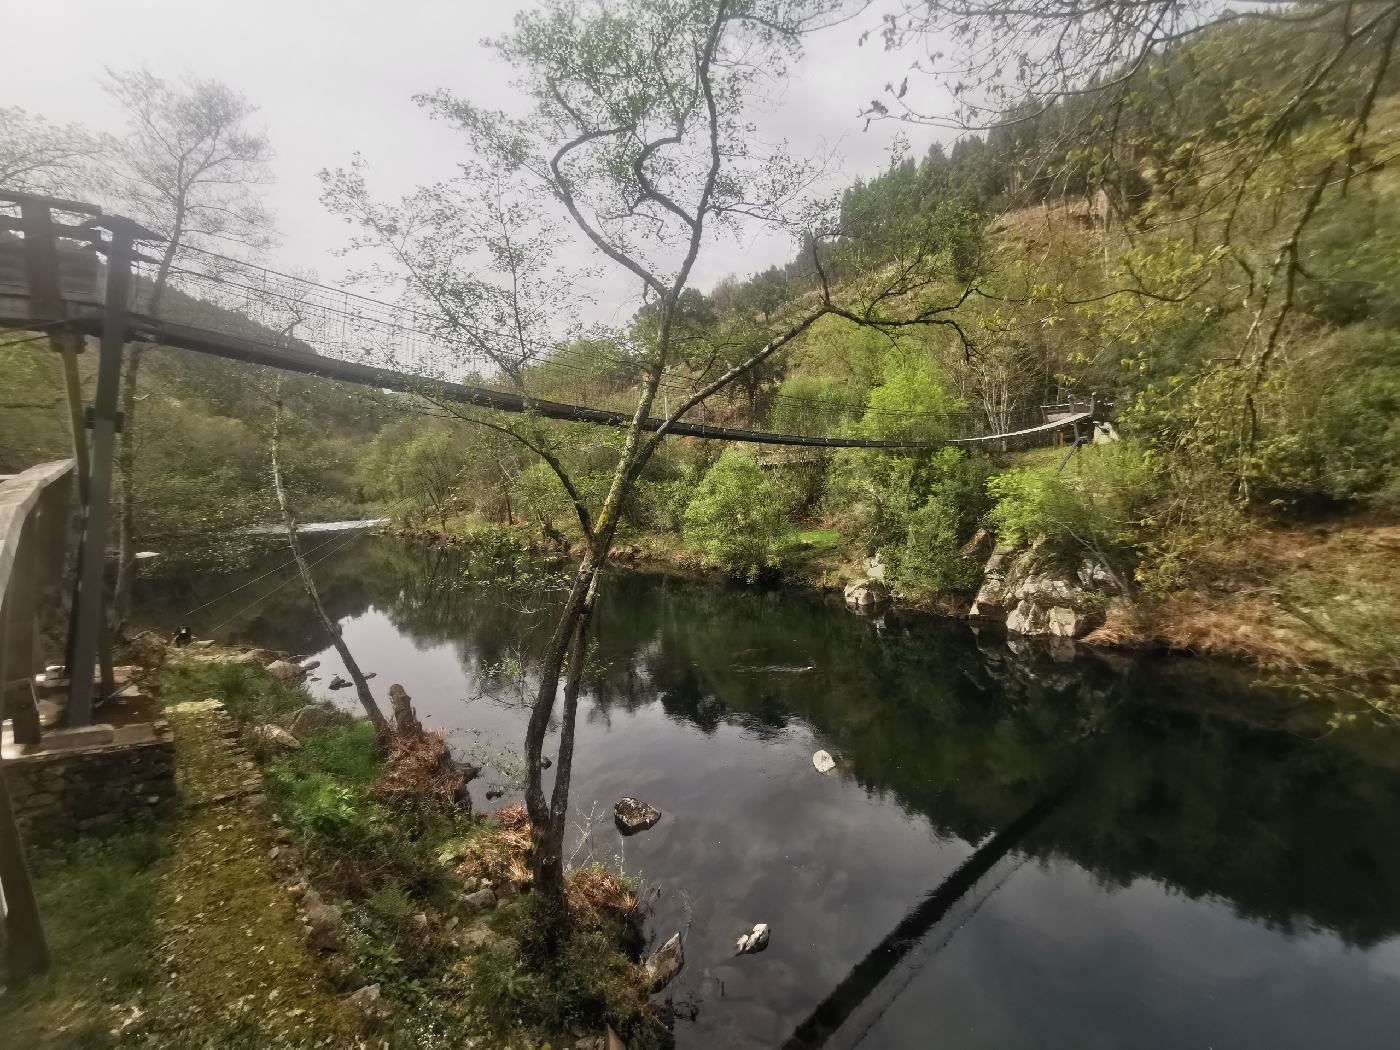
753,941
824,762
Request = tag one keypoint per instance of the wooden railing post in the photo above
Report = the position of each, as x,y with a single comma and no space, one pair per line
18,640
32,531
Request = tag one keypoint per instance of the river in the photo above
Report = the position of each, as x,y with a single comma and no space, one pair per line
1012,852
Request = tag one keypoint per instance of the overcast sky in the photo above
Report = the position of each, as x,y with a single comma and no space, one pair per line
333,78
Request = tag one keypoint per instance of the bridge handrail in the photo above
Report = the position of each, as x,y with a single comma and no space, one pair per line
33,533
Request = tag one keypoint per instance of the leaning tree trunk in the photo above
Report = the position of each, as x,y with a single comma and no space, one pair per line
568,646
382,729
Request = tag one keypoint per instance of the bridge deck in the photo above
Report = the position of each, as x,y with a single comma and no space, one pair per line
218,344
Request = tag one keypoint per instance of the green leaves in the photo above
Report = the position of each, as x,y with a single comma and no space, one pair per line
736,517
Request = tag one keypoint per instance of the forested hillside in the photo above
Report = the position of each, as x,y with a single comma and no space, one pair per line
1236,309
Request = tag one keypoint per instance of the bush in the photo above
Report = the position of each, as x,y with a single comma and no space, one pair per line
736,517
1094,505
928,524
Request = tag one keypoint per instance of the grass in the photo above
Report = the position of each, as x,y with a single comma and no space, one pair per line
820,539
179,927
248,692
98,898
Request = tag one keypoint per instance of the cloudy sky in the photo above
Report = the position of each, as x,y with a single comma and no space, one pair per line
333,78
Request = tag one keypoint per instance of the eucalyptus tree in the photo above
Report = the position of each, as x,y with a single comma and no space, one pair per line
636,144
189,166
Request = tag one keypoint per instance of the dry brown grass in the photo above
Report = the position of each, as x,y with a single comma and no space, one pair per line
1320,597
501,854
419,768
598,899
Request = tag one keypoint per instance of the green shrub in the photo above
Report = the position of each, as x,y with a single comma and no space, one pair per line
580,982
736,517
1094,505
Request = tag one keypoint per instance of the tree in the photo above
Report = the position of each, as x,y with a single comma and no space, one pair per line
736,517
39,157
190,168
1158,113
383,733
638,135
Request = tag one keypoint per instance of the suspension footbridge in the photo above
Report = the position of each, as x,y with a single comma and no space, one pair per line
68,272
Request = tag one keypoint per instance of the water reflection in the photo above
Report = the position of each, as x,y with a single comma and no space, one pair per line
1215,877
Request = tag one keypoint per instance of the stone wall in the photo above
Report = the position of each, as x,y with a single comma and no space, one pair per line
90,779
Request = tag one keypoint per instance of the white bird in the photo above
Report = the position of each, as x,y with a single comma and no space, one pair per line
754,941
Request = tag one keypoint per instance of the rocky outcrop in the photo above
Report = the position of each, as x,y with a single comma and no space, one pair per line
1036,592
867,594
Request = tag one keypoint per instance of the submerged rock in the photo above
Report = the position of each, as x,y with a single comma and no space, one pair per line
663,964
824,762
634,815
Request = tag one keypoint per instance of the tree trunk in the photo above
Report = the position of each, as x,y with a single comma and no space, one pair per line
569,643
382,729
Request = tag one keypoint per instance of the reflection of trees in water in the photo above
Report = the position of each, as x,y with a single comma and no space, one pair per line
969,735
958,730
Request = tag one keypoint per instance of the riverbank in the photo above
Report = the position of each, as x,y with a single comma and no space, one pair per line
1192,831
1318,602
414,907
315,889
175,933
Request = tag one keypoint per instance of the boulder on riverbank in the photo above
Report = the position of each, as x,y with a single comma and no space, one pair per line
313,718
663,964
270,739
285,671
868,593
634,815
1037,592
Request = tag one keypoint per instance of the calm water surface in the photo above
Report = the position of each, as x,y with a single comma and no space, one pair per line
1013,852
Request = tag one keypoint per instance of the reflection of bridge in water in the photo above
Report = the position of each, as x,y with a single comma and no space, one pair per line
856,1003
